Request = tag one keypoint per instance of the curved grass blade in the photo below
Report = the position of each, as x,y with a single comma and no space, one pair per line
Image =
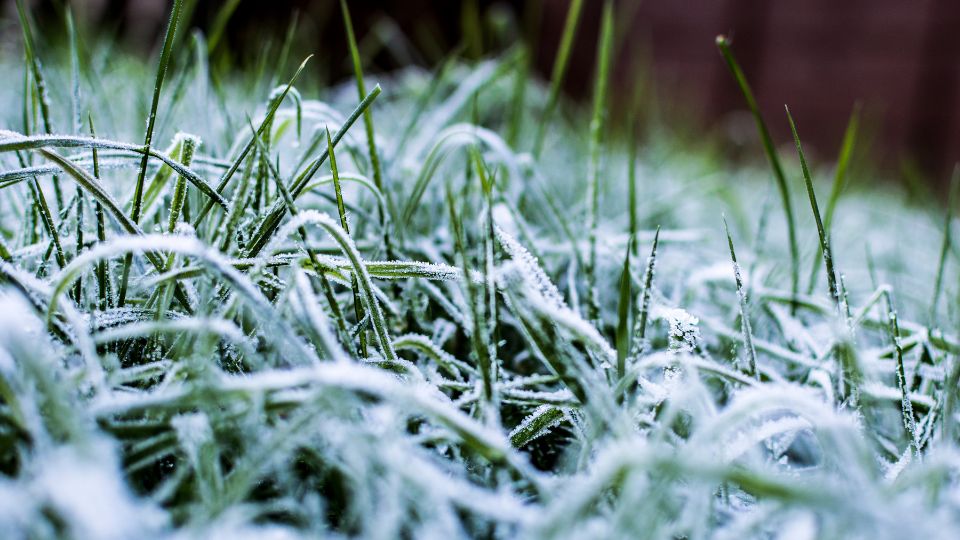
724,45
272,221
33,64
267,121
93,187
10,141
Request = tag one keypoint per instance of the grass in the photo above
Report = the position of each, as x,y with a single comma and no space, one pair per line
388,327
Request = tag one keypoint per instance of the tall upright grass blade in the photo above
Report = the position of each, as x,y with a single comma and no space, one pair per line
821,233
839,182
945,246
906,406
724,45
33,64
624,312
372,151
640,325
264,125
220,21
165,53
357,305
745,328
597,124
559,71
477,337
104,279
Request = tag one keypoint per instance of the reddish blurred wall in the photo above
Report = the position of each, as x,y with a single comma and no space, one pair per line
901,59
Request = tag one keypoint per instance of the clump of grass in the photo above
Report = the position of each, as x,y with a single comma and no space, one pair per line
258,342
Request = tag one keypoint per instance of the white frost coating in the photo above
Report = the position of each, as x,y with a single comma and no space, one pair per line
192,429
530,269
183,246
747,439
802,526
88,491
20,331
528,420
684,328
719,271
349,248
219,327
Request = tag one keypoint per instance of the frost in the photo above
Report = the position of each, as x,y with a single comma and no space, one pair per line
684,330
267,397
91,496
530,269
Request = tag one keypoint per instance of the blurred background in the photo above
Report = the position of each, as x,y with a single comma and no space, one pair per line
899,60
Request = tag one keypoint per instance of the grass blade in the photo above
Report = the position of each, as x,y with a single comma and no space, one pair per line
947,242
272,221
839,182
746,331
624,311
724,45
33,63
640,325
597,125
152,118
372,151
357,304
264,125
559,71
148,137
824,241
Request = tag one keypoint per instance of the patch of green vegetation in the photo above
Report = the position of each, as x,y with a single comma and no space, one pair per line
266,316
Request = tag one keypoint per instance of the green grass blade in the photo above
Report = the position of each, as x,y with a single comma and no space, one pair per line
624,311
559,71
745,328
947,242
40,85
104,279
724,45
368,125
152,118
839,182
272,221
357,304
148,137
906,406
597,125
640,325
824,241
220,23
264,125
476,334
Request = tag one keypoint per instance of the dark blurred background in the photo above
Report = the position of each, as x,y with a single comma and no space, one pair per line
900,59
